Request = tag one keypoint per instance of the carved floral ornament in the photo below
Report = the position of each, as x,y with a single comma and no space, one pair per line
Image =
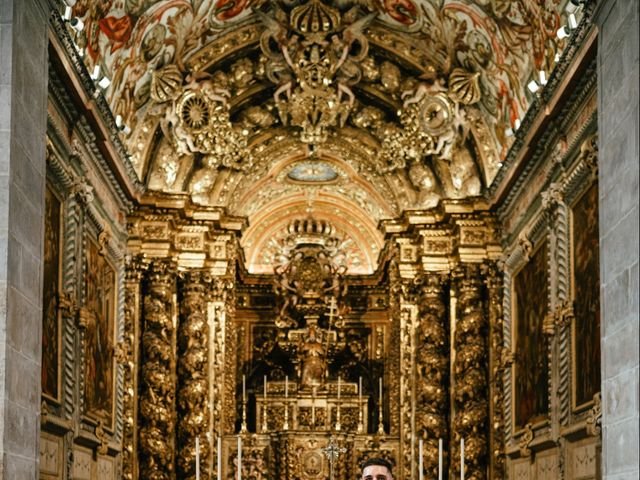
415,96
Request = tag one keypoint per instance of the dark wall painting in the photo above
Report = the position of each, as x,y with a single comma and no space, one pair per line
51,296
100,305
586,287
531,360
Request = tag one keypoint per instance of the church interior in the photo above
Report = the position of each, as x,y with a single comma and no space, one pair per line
268,240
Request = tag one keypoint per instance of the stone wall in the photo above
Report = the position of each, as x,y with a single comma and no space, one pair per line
23,102
618,163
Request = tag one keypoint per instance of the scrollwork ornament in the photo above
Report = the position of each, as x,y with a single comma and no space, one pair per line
525,441
594,417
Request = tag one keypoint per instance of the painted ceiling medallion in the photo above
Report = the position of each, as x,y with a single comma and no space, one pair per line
313,171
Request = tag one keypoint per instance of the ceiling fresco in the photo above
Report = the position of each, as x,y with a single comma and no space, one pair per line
375,106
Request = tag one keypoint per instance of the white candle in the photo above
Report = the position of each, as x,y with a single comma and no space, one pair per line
244,389
462,459
440,459
219,458
239,457
420,461
380,385
360,390
265,387
286,386
338,387
197,458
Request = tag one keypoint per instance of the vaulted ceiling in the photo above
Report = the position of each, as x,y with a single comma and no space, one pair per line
350,111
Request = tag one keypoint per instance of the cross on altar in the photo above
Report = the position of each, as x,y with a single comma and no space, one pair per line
333,307
333,451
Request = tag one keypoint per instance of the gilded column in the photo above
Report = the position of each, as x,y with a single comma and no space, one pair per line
157,379
193,379
129,353
471,404
432,369
494,282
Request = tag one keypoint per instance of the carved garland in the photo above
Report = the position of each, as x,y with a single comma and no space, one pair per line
432,367
157,389
193,389
470,397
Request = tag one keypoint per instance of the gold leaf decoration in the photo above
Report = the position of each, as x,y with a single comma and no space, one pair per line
464,86
166,83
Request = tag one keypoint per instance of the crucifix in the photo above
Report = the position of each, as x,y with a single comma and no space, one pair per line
332,452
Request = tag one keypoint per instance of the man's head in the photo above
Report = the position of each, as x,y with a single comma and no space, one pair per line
376,469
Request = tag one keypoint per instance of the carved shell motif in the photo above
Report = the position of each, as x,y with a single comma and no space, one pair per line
166,83
464,86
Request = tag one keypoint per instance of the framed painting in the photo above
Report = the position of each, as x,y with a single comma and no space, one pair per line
51,331
531,365
100,283
585,328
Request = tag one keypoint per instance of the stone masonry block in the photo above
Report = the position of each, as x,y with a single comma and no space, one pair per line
615,303
621,350
619,246
620,400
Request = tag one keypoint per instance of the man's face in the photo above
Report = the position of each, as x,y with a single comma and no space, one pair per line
376,472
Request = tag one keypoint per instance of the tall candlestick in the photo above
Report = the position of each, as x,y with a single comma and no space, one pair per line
380,412
420,461
440,459
286,403
244,388
338,387
462,459
360,423
286,386
264,407
197,458
338,425
239,457
219,458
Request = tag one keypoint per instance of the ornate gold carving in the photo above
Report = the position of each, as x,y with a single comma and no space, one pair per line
432,365
193,377
103,438
525,441
314,67
470,394
594,418
157,389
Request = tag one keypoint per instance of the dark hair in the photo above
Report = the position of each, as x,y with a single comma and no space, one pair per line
376,461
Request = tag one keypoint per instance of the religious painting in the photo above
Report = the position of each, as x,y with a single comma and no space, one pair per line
100,309
50,372
531,369
586,294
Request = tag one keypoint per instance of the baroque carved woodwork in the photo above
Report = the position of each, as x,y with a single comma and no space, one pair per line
157,375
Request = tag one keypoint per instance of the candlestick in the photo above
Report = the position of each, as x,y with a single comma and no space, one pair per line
243,425
197,458
420,461
338,425
380,413
286,386
264,407
285,426
462,459
239,457
219,458
244,388
360,423
440,459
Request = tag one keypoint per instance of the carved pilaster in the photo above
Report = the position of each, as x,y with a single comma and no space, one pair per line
432,367
128,356
157,381
494,282
193,378
471,397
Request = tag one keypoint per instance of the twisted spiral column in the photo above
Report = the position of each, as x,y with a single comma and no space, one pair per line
193,379
157,380
470,369
432,369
